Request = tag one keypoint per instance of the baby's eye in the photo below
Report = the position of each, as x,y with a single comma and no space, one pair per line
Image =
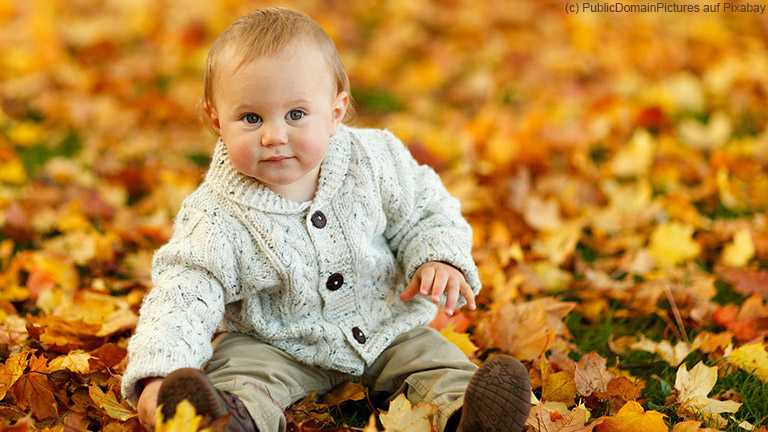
252,118
296,115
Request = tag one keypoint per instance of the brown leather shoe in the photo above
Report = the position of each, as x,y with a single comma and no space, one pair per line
193,385
498,397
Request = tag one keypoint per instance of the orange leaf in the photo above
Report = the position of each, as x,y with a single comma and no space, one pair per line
632,418
33,390
346,391
11,371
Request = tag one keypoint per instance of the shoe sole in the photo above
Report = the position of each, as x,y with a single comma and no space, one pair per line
498,397
193,385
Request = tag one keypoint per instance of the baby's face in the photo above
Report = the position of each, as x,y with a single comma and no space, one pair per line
276,115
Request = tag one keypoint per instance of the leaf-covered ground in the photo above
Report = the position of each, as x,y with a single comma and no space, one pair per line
614,167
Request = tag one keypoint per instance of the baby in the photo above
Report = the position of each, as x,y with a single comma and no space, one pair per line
321,249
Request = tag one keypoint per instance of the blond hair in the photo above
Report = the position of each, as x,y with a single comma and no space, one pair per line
265,32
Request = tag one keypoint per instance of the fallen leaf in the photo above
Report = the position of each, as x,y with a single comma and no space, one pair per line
33,390
740,251
403,417
674,355
543,419
693,387
557,386
461,340
185,419
11,370
671,243
632,418
347,391
752,359
591,376
76,361
109,403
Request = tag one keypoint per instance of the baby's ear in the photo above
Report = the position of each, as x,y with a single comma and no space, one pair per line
212,118
339,109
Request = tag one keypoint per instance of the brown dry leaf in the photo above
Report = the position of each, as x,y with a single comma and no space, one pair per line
347,391
307,411
591,376
524,330
33,390
747,282
402,417
557,386
632,418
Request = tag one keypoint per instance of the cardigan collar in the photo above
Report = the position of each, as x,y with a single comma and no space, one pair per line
246,191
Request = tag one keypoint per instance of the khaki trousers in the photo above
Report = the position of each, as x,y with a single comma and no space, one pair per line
420,363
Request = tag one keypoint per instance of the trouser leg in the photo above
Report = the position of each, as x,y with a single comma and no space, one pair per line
427,368
265,378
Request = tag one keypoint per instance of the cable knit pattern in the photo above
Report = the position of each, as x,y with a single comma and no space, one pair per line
245,256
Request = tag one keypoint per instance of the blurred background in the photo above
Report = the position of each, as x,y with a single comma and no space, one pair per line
586,148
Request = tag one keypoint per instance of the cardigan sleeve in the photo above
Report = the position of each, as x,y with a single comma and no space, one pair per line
424,222
178,317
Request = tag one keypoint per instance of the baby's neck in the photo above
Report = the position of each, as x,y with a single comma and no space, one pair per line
301,190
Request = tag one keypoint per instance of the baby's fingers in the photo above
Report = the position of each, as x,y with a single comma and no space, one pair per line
411,290
466,290
452,296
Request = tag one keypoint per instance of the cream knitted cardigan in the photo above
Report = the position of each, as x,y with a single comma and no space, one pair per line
319,280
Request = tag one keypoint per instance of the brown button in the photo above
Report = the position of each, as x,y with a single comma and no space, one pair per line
358,334
334,282
318,219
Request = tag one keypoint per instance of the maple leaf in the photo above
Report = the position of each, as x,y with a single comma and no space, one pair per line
403,417
671,243
542,419
185,419
693,387
76,361
636,158
691,426
11,370
109,403
557,386
591,376
461,340
632,418
752,359
740,251
34,390
674,355
747,282
524,330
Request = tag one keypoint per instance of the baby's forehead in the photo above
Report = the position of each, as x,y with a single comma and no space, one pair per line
233,59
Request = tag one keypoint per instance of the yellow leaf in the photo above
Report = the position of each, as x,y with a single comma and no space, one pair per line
461,340
752,359
636,158
693,387
76,361
108,402
371,426
740,251
402,417
672,355
559,244
185,419
672,243
705,137
13,172
557,386
11,370
542,214
632,418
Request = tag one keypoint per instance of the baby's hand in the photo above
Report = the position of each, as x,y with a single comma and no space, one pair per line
437,277
147,405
